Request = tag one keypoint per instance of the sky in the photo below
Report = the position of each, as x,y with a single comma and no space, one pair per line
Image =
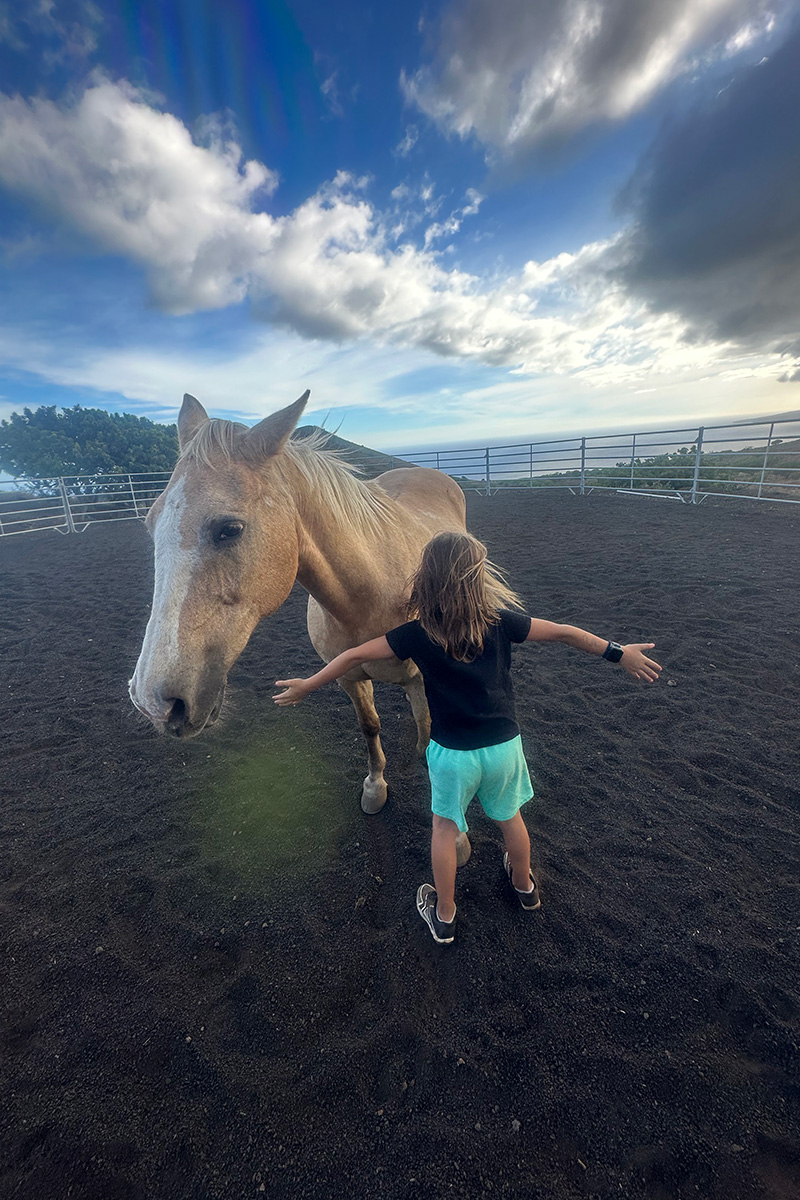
468,220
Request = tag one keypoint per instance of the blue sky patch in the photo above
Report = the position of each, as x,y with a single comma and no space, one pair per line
503,220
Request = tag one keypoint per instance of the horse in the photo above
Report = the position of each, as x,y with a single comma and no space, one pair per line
246,512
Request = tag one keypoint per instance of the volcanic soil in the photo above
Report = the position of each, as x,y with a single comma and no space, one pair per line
215,984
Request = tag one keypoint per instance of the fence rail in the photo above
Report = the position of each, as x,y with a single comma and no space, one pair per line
741,460
68,504
737,461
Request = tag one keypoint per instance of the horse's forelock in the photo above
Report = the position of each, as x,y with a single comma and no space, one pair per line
227,440
215,439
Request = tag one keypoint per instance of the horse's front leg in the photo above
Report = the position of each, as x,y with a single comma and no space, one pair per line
373,794
415,691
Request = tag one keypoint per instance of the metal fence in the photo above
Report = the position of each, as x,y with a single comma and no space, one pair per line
740,461
70,503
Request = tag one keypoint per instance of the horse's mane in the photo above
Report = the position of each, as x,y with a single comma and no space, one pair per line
331,479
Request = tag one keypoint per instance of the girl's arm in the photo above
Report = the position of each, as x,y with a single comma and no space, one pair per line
298,689
635,662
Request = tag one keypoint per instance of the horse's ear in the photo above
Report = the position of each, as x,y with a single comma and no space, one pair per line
269,436
190,418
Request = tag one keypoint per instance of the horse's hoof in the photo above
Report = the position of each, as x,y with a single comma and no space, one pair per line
373,795
463,849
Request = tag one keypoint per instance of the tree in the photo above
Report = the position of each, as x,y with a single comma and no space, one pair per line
46,442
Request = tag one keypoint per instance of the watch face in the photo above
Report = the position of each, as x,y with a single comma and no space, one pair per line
613,652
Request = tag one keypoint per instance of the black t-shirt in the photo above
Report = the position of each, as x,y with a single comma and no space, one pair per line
471,703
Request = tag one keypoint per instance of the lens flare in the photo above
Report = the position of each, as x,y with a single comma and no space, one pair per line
270,808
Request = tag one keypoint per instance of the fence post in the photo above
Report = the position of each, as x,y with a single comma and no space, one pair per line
633,457
65,501
699,452
133,496
488,478
583,464
766,453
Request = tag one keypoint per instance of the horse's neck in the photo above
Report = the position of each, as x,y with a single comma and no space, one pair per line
341,563
331,571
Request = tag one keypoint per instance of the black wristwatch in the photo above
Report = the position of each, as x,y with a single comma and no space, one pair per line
613,652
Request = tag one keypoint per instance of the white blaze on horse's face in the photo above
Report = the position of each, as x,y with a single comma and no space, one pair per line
226,553
174,568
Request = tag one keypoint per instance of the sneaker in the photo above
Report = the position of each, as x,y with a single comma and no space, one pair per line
441,931
528,900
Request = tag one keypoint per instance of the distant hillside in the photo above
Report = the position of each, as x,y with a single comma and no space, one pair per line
369,462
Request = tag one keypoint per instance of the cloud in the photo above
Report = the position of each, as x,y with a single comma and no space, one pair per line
450,225
474,201
65,31
532,73
387,395
330,90
716,207
130,179
10,32
407,142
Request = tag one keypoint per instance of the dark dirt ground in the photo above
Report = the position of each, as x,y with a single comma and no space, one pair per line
215,984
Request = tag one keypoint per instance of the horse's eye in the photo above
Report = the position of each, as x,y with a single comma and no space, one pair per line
230,531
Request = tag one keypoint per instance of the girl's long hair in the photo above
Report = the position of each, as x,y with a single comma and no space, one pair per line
457,593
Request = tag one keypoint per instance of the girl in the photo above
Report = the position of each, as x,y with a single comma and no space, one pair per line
459,635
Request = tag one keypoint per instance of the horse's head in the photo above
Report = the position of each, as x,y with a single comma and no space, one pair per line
226,555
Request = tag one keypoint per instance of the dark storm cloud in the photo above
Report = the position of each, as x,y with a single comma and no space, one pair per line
533,73
717,211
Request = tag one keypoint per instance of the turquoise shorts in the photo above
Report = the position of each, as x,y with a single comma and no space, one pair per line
497,775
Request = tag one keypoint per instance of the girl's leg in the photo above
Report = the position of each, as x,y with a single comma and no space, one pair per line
443,861
518,845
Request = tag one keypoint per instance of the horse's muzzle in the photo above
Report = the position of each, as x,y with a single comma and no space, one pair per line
183,723
177,716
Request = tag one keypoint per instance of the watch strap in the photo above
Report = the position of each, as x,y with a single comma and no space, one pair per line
613,652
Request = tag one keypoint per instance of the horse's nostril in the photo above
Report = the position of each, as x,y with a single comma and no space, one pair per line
178,717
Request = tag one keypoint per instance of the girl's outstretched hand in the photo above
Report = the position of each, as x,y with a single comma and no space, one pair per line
637,664
296,690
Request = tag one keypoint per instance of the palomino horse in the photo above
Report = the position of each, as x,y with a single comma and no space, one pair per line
246,512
